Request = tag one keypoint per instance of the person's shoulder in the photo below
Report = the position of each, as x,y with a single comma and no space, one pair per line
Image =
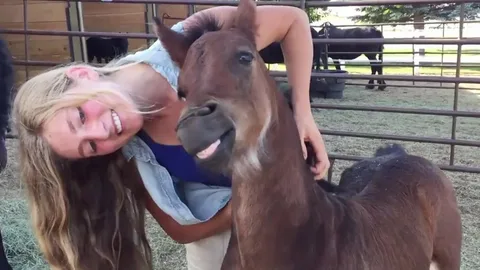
136,148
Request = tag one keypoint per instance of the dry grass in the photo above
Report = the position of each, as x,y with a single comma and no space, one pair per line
22,249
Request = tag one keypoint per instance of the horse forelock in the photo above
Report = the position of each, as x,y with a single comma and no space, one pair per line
203,24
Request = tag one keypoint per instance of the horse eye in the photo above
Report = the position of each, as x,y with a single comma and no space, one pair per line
245,58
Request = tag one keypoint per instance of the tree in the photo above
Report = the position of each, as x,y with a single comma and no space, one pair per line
314,14
418,13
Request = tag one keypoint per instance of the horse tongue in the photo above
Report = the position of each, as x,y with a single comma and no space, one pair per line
209,150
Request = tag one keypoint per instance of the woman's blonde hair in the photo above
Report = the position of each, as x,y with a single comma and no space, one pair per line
86,213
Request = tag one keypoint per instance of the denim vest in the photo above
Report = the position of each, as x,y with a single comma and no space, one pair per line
186,202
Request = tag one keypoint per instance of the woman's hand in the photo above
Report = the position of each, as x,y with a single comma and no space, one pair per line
308,131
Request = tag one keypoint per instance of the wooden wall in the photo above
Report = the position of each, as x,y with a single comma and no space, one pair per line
107,17
202,7
41,15
98,17
171,14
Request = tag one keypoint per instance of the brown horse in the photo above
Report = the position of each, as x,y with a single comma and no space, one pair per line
405,215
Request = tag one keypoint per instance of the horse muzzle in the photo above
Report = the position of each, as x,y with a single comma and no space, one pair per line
207,133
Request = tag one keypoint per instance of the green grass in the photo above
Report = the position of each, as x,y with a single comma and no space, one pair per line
431,71
409,51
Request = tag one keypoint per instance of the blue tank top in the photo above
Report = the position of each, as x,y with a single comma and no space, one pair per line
181,164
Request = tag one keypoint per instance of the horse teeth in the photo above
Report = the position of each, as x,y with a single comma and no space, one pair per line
209,150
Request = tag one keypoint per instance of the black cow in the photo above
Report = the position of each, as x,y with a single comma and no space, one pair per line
350,51
106,48
272,54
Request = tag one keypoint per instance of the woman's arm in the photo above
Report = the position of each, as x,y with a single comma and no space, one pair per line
185,234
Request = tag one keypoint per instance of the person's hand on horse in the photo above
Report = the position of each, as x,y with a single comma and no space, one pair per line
309,132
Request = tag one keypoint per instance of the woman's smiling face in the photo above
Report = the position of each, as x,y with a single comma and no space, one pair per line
94,128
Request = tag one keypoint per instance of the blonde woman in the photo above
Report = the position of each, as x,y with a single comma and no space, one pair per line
98,146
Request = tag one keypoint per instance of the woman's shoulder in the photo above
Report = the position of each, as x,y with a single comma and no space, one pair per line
158,58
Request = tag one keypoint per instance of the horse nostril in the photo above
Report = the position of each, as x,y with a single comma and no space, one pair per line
212,106
202,111
206,109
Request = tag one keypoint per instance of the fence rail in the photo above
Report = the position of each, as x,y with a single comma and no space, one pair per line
456,80
306,3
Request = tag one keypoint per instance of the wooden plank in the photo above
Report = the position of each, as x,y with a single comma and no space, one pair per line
202,7
62,25
134,22
9,2
21,74
49,58
20,2
36,12
40,49
109,9
171,14
136,45
171,22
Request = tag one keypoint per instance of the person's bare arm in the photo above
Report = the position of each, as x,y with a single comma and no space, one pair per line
183,234
190,233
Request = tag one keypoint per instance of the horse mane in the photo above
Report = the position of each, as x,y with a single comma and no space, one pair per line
202,24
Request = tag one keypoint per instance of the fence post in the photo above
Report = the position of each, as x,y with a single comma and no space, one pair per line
443,53
419,49
303,5
151,12
457,85
74,21
25,27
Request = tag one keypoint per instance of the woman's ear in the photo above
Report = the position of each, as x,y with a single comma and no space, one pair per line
85,73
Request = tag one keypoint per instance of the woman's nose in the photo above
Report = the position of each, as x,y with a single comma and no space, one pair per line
97,131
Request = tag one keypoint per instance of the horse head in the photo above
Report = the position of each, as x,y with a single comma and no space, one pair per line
227,90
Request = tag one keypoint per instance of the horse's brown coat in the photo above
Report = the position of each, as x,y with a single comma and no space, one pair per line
402,213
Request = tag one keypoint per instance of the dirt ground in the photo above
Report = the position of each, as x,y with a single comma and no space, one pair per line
23,252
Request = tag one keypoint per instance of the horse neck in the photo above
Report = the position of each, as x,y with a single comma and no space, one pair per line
284,184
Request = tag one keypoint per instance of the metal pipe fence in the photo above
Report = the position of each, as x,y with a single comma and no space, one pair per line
400,23
456,80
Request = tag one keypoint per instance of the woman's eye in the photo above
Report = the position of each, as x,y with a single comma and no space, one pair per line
81,114
93,145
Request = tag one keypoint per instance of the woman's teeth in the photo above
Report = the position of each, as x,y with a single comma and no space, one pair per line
117,122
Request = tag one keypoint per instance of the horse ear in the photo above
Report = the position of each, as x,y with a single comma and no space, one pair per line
245,19
175,43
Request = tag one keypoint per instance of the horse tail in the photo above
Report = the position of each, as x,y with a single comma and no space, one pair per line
391,149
